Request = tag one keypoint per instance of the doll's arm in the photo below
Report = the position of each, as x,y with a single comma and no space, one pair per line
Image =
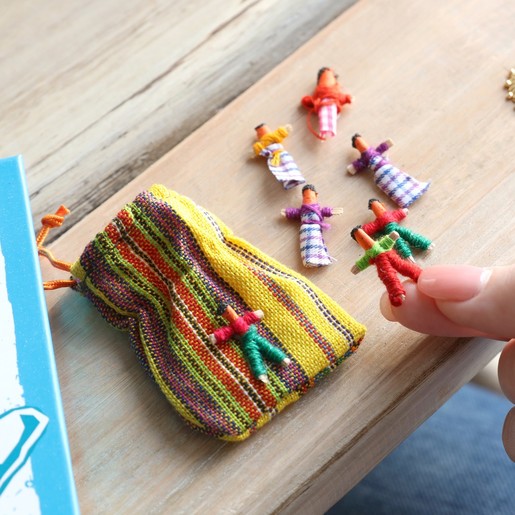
344,99
292,213
355,269
222,334
251,317
361,264
387,242
373,227
384,146
356,166
284,130
399,214
257,148
330,211
308,102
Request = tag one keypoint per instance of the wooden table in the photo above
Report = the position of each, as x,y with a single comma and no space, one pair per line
428,75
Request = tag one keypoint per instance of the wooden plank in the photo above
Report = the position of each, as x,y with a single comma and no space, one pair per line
93,94
430,77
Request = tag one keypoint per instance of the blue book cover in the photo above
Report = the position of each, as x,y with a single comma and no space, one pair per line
35,466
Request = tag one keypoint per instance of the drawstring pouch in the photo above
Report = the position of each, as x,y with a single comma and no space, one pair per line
160,271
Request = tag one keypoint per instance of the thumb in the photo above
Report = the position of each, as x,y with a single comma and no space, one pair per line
455,300
479,298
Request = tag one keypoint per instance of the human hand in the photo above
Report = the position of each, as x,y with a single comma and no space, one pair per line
466,301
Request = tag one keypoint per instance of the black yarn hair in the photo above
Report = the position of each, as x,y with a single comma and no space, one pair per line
222,306
354,139
309,187
353,232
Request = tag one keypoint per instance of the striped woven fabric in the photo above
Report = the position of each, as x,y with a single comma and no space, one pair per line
285,170
158,271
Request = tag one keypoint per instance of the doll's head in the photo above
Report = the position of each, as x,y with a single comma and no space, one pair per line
362,238
359,143
326,77
309,194
227,312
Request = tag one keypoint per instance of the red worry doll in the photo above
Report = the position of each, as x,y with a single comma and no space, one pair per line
327,102
381,254
388,221
254,346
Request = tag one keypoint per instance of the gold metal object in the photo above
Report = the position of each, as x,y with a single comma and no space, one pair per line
510,85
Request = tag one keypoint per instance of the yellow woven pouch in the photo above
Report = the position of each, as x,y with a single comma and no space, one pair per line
160,269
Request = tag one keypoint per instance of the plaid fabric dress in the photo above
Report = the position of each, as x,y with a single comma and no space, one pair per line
281,164
398,185
327,116
313,250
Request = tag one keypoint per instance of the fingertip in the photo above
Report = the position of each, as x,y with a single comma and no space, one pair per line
508,434
386,308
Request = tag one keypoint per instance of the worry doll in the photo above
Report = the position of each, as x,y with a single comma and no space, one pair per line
381,254
327,102
313,250
255,347
280,162
398,185
388,221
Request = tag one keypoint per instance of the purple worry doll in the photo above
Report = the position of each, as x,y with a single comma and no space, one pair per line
399,186
313,251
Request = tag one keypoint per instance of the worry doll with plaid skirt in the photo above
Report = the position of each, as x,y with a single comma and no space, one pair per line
398,185
254,346
388,221
327,102
313,250
280,162
381,254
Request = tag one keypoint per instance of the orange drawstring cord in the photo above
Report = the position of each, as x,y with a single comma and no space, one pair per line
49,222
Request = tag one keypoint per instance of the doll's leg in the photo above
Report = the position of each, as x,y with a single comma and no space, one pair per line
252,352
269,351
402,247
388,275
405,268
414,239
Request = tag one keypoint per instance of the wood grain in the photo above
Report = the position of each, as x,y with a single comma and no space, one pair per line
93,93
431,77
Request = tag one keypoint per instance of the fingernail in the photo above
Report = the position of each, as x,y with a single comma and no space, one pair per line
458,283
508,434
